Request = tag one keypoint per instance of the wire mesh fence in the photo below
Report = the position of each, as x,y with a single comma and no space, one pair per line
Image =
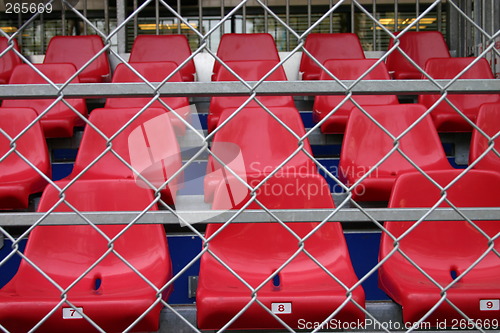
245,174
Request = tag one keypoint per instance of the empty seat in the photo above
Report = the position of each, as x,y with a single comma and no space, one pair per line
444,115
9,60
244,47
328,46
102,285
255,251
144,142
419,46
488,120
60,119
79,50
160,48
152,72
348,70
444,250
248,71
19,179
263,144
365,144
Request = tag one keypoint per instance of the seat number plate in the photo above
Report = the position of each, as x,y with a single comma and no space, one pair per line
70,313
281,308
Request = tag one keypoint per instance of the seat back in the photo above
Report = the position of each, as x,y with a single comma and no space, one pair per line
16,173
83,245
349,70
243,47
57,73
9,60
78,50
365,143
152,72
488,120
249,71
469,104
328,46
419,46
439,244
163,48
147,143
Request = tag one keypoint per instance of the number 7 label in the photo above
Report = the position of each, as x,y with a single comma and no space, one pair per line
70,313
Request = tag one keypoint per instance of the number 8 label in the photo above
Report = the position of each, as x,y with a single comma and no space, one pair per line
281,308
489,305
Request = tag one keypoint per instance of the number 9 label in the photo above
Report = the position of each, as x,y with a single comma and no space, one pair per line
489,305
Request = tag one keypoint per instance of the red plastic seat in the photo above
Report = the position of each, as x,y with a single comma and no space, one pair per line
111,293
8,61
243,47
161,48
248,71
17,178
153,72
78,50
254,251
443,249
263,144
444,116
419,46
488,120
60,120
328,46
148,144
348,70
365,144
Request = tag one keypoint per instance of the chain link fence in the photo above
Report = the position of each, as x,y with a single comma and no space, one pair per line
269,214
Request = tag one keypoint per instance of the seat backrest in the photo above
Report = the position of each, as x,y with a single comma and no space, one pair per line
449,68
151,131
440,243
250,71
31,144
9,60
152,72
78,247
352,70
419,46
244,47
57,73
488,120
365,143
328,46
78,50
161,48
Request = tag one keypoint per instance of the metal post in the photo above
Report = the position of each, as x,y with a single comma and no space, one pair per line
266,18
120,17
157,16
179,22
63,19
42,32
309,13
396,16
353,29
331,17
440,17
85,32
200,21
374,34
244,23
106,16
136,27
417,12
222,13
287,19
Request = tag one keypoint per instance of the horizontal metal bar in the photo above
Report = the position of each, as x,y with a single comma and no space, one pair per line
252,216
295,88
